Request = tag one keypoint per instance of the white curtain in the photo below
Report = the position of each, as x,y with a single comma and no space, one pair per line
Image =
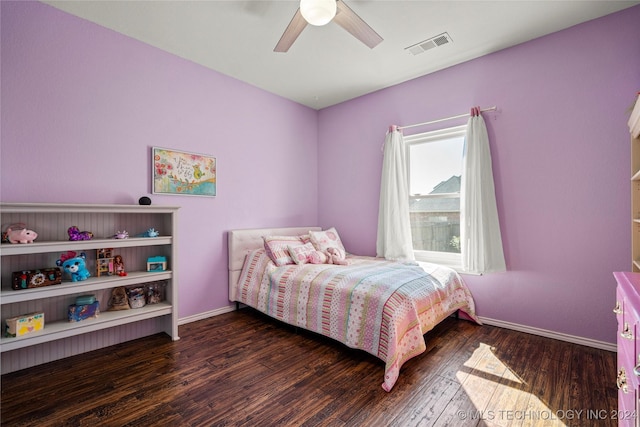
479,226
394,227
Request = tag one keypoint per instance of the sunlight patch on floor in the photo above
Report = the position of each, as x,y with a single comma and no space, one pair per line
500,397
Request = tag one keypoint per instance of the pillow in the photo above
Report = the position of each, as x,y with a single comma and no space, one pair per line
323,240
317,257
305,238
278,250
301,254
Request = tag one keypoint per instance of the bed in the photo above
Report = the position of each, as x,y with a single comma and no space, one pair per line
375,305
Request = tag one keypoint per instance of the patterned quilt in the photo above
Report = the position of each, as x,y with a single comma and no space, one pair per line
379,306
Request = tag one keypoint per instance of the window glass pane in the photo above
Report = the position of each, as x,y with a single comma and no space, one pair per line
434,205
433,163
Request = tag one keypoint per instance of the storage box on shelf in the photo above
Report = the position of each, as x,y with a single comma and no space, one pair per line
59,337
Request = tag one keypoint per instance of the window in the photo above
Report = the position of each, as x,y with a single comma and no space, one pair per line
435,170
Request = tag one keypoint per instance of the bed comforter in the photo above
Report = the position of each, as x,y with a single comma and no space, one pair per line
379,306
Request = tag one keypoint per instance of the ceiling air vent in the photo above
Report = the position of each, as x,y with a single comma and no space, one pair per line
439,40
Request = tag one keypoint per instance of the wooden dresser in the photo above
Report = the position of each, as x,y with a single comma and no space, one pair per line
627,312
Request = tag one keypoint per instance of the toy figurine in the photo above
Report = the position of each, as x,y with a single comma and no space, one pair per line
75,234
149,233
118,265
17,233
121,234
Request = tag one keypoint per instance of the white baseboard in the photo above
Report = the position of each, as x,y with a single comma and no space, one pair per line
206,314
550,334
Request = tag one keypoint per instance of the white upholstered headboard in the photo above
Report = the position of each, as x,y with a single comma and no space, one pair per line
241,242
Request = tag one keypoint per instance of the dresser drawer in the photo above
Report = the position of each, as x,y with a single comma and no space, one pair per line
629,349
626,360
627,405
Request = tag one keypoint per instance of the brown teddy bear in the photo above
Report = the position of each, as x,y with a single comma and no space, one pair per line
119,300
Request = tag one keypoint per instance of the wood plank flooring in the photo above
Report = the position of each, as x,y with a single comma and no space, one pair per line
244,369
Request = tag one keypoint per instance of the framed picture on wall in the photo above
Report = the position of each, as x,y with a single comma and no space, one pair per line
183,173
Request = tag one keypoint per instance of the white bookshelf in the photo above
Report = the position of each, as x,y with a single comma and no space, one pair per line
61,338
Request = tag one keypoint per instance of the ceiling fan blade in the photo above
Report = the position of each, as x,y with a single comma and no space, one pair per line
350,21
292,32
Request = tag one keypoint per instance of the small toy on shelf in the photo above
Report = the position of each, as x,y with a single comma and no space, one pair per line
18,233
118,300
121,235
149,233
156,264
104,262
74,265
24,324
85,299
136,297
78,312
154,291
75,234
27,279
118,264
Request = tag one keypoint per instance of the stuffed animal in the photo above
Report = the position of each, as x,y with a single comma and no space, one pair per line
74,266
124,234
17,233
118,300
335,257
149,233
76,234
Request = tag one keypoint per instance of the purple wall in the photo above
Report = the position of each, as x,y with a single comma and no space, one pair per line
82,105
560,147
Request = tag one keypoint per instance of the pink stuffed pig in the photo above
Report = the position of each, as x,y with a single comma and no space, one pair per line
21,235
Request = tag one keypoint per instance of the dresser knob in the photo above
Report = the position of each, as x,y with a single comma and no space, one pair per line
626,332
617,309
621,382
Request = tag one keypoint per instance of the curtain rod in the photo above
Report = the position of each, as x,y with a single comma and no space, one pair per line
494,108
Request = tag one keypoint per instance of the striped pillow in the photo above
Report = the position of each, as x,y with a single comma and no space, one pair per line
277,248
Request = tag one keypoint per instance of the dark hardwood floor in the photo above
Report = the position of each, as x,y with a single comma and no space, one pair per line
243,368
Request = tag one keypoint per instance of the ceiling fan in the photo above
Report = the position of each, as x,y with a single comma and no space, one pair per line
321,12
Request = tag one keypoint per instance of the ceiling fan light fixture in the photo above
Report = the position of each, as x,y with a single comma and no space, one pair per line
318,12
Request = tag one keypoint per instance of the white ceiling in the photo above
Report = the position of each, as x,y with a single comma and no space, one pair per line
326,65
